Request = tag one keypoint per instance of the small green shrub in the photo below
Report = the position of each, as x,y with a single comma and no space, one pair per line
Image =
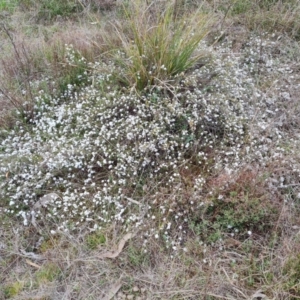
13,289
47,273
292,272
240,7
95,239
240,210
8,5
137,256
75,72
49,10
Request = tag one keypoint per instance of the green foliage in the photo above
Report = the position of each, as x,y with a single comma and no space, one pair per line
13,289
137,257
228,215
292,272
48,273
95,239
66,65
45,10
49,10
236,212
48,244
246,6
240,7
160,45
8,5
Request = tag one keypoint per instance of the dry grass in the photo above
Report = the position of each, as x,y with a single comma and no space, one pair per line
33,64
260,199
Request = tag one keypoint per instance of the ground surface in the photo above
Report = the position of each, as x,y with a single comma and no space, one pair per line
123,177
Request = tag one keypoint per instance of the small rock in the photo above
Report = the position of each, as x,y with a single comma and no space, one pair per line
286,96
130,297
45,200
135,289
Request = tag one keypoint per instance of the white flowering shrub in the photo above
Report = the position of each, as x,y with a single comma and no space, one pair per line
102,153
36,70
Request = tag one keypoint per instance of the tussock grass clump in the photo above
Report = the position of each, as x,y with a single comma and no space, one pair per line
160,44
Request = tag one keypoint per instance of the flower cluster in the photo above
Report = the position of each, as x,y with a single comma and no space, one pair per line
110,155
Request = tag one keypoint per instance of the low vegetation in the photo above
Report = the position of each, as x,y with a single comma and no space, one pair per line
149,149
